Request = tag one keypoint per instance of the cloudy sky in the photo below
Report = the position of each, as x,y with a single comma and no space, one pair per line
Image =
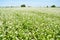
34,3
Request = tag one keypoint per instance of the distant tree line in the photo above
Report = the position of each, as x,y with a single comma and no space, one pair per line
52,6
23,5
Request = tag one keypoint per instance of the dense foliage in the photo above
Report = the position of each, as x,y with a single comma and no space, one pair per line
53,6
23,5
28,24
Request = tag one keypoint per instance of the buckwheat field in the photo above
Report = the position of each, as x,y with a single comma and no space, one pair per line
29,23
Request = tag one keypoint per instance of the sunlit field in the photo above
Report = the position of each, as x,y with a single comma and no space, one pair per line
29,23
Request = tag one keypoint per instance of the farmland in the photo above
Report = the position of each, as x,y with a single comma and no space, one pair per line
29,23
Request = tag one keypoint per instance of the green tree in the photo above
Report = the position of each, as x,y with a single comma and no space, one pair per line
47,6
53,6
23,5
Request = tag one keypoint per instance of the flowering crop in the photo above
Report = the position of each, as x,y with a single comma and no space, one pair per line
29,24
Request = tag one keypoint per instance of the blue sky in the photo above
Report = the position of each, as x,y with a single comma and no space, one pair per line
35,3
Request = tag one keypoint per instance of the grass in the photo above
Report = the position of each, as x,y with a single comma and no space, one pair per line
29,24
